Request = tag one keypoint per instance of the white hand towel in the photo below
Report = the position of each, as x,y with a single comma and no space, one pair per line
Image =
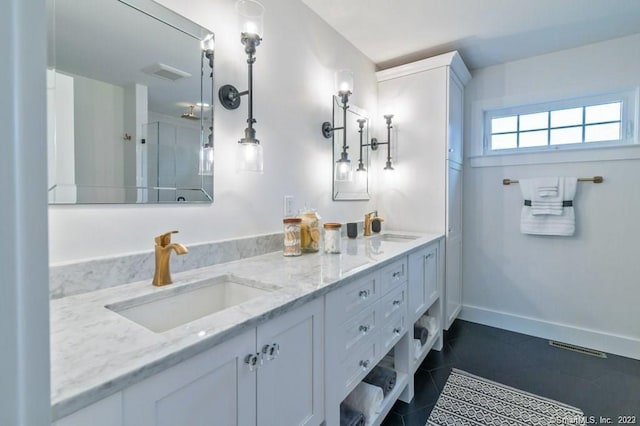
549,224
547,187
430,323
543,205
366,399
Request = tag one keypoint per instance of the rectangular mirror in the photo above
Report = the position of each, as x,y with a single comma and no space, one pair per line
129,104
358,187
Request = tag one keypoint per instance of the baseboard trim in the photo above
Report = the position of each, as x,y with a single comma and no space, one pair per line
613,344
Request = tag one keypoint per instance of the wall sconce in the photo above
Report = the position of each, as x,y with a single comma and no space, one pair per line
207,46
250,17
375,144
344,88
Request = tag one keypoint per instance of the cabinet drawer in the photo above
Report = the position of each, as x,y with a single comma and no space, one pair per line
394,302
393,275
354,331
392,331
347,301
357,365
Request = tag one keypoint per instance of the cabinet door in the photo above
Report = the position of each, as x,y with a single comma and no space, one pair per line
455,119
291,380
423,280
453,269
106,412
212,388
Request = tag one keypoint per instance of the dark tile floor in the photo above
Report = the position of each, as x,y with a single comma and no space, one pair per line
600,387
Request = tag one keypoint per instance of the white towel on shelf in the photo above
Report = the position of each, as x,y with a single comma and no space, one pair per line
563,224
430,323
417,348
547,204
366,399
547,187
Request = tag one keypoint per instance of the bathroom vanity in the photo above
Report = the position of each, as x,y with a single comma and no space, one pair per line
288,341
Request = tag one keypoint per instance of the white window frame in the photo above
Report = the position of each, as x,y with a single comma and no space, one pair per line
628,129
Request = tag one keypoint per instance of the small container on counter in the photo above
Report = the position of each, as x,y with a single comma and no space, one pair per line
309,231
332,234
291,236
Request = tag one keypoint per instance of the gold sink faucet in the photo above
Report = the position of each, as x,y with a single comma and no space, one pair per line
162,275
368,218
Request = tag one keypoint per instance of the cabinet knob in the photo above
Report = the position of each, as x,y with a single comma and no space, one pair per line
450,149
429,256
364,364
396,274
252,360
271,352
396,331
364,294
397,302
364,329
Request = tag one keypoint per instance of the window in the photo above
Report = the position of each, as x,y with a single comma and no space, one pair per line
578,123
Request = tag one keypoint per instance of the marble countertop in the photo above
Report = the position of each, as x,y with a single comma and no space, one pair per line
96,352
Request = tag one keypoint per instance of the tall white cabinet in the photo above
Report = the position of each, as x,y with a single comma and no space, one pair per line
425,193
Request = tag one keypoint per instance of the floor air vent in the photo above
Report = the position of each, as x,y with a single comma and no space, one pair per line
579,349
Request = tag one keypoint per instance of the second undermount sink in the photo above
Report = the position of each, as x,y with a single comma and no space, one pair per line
168,309
396,238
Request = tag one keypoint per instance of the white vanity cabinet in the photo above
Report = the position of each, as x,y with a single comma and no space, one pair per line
219,387
427,99
106,412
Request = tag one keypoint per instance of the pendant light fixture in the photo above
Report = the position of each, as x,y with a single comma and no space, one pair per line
343,169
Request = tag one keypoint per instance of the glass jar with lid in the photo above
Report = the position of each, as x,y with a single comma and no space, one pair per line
332,237
309,231
291,246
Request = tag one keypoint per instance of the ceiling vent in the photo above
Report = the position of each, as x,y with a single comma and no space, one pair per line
165,72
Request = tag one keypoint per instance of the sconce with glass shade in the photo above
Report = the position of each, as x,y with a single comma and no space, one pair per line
207,45
250,15
375,144
344,89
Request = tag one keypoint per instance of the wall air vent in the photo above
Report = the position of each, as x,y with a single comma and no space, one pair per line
165,72
575,348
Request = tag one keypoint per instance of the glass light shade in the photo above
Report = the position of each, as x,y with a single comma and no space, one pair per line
250,17
249,157
344,81
343,171
206,161
207,44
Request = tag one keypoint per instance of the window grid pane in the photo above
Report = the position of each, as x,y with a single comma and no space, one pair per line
585,124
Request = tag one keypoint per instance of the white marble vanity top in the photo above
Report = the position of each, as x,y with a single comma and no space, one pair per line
95,352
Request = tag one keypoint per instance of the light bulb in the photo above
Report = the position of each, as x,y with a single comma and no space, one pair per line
344,81
344,171
250,17
250,157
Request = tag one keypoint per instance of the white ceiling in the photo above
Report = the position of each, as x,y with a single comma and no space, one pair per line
486,32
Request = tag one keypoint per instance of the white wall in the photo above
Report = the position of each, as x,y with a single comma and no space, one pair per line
582,289
293,83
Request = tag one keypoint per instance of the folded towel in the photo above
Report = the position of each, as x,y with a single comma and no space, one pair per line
543,205
430,323
547,187
350,417
549,224
366,399
388,361
383,377
421,333
417,348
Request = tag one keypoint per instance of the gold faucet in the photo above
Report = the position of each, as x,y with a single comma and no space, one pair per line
162,275
367,222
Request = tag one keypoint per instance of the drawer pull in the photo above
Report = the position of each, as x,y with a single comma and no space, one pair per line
364,329
364,293
396,331
429,256
397,274
252,360
397,302
364,364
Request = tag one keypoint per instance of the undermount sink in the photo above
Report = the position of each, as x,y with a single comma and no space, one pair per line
397,238
168,309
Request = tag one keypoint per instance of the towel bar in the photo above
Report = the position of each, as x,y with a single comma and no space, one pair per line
595,179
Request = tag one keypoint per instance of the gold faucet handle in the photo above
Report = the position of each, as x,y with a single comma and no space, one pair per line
164,239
